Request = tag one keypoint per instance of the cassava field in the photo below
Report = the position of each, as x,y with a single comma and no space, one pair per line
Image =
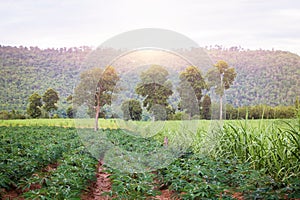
241,159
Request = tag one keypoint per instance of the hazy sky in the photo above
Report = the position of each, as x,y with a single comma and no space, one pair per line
251,24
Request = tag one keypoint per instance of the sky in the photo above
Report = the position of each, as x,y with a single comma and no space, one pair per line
251,24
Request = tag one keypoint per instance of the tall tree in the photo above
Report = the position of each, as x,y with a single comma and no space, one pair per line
132,110
95,90
84,93
190,90
105,87
50,99
35,104
221,77
155,88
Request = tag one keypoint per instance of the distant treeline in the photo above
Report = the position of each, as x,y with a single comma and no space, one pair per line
245,112
260,111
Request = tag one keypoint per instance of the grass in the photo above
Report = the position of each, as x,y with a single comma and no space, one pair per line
272,147
114,123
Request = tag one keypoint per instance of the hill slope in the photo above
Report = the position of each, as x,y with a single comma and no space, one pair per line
269,77
263,77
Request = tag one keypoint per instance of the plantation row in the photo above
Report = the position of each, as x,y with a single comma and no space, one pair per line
219,172
253,112
237,159
27,151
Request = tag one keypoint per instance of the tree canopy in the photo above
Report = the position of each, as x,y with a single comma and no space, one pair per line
132,110
84,93
190,90
155,88
35,104
221,77
105,87
50,98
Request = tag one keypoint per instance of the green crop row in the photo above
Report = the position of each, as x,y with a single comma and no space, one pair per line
26,151
72,176
197,175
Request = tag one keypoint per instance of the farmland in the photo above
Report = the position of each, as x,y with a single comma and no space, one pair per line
51,159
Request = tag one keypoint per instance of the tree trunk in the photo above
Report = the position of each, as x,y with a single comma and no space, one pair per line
221,108
221,102
96,117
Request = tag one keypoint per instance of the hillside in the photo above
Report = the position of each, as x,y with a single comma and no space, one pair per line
269,77
263,77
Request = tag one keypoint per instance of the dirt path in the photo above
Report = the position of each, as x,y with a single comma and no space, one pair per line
101,185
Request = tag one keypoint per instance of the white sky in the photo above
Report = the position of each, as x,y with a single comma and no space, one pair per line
251,24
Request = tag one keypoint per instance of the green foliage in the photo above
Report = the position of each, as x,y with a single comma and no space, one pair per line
256,160
195,176
274,148
263,76
70,112
190,90
12,114
25,151
221,77
35,104
28,70
260,112
297,108
50,99
155,88
132,110
106,85
84,93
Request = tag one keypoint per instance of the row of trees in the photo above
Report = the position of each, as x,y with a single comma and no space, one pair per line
154,90
263,111
132,110
260,112
42,105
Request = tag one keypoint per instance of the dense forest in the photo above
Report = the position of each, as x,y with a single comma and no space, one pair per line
263,76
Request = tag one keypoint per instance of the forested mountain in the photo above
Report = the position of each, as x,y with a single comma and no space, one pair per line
263,77
26,70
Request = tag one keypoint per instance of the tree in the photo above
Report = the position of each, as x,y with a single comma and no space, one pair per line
206,107
95,90
190,90
132,110
70,112
155,88
35,104
104,90
221,77
84,92
50,99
